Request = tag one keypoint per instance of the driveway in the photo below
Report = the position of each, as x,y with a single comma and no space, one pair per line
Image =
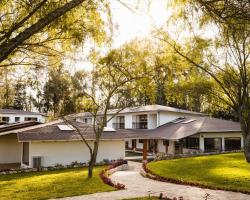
138,186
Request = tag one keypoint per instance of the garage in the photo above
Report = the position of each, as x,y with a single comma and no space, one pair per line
232,143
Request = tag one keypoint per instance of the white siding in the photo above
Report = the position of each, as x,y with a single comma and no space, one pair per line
10,149
128,120
152,121
139,145
67,152
171,147
161,147
110,123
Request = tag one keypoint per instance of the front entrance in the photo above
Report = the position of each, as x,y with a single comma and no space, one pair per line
212,144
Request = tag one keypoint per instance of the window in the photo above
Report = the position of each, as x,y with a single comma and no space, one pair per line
88,120
141,141
232,144
143,118
141,122
17,119
4,119
120,119
30,118
212,144
126,145
165,142
119,122
191,143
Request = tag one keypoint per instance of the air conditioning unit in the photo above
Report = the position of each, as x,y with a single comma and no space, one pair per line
37,162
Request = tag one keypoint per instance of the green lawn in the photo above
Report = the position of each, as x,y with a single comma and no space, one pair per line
51,184
225,171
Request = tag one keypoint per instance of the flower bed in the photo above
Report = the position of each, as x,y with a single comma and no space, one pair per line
50,168
104,175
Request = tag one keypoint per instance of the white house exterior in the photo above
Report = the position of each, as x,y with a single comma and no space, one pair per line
13,116
148,128
152,117
56,143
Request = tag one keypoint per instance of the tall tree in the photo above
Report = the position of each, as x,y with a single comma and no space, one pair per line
227,53
19,102
104,89
30,31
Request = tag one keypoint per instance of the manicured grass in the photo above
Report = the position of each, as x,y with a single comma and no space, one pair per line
224,171
51,184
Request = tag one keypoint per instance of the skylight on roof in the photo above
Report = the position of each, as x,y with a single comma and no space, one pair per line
191,120
178,120
108,129
65,128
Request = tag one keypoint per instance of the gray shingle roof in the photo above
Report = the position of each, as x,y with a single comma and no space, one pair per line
171,131
19,112
51,132
193,125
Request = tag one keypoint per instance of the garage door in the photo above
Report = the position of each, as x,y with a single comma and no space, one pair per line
232,144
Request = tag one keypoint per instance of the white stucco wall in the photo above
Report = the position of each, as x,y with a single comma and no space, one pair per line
10,149
152,121
171,147
40,118
161,147
139,145
67,152
110,123
219,135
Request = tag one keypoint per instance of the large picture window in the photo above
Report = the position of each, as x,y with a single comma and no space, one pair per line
30,119
232,144
213,144
191,143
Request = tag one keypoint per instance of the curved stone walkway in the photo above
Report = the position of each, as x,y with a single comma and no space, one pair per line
138,186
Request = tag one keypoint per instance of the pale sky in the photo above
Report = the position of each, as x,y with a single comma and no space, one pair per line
138,23
130,24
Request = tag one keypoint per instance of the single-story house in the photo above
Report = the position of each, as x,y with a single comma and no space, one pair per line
186,135
56,143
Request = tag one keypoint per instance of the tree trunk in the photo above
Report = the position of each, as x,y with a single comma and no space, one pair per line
247,147
246,137
93,159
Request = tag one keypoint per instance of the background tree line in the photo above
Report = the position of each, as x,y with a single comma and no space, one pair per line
168,79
